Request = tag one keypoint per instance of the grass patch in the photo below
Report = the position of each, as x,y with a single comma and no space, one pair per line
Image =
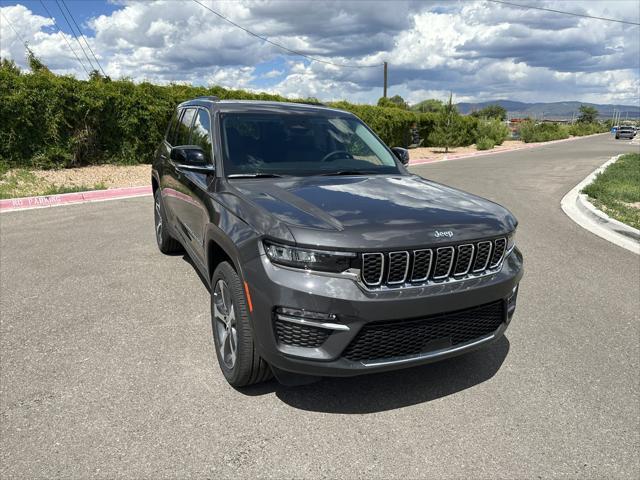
616,191
23,183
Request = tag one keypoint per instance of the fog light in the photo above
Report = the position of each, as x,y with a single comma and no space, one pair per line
313,319
296,312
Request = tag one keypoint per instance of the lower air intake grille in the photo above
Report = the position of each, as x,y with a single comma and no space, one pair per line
297,335
399,338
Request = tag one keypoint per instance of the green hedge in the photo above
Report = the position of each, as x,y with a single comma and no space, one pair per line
51,121
544,132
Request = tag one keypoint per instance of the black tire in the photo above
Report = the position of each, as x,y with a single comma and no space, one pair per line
166,243
247,367
617,137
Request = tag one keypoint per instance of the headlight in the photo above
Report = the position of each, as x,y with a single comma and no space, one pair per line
511,242
308,259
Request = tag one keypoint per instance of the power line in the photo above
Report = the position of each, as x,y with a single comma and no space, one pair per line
563,12
294,52
65,37
75,36
83,37
20,37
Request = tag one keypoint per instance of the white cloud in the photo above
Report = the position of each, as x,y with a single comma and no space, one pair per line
478,50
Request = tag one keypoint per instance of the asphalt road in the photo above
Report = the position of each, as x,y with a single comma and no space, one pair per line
108,369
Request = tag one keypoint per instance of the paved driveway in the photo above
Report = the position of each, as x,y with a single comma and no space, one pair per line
107,364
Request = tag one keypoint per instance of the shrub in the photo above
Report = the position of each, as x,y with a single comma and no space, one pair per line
485,143
579,129
494,130
542,132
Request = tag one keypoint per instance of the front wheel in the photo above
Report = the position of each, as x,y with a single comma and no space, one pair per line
239,361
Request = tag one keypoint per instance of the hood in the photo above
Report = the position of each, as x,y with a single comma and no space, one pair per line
373,212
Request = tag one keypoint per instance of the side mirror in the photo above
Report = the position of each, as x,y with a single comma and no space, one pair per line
402,154
192,158
188,155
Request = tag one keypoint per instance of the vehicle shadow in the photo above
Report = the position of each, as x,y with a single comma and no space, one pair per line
187,258
390,390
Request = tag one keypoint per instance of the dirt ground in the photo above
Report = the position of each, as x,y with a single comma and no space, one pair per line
111,176
437,152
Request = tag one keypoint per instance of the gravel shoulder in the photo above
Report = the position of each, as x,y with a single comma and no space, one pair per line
25,183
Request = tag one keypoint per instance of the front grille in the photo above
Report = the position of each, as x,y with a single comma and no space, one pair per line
424,265
298,335
385,340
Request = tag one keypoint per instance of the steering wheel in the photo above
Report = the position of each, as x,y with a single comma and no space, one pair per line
334,153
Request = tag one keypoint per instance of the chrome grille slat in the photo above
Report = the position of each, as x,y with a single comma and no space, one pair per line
482,257
500,245
412,268
398,267
464,259
444,260
372,268
422,260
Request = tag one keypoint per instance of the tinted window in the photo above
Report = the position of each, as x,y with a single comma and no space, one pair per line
171,130
201,133
184,127
301,144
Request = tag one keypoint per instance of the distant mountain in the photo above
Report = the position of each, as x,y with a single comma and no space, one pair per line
556,110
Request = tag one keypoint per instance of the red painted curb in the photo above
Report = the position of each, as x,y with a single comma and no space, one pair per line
12,204
421,161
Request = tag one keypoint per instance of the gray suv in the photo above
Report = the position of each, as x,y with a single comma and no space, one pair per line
324,255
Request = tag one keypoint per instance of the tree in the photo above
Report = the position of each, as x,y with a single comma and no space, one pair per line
587,114
429,105
96,76
448,129
491,111
395,102
35,64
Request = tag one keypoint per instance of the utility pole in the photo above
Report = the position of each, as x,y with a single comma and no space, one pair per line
384,94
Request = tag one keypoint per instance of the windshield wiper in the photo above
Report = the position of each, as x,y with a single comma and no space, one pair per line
254,175
348,172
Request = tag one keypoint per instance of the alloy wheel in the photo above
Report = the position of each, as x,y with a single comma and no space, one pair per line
158,219
225,323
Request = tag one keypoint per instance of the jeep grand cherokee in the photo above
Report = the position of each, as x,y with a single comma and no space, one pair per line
324,255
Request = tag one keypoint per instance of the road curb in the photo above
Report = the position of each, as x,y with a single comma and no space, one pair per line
578,208
29,203
446,158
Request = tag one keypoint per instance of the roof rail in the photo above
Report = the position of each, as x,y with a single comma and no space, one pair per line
213,98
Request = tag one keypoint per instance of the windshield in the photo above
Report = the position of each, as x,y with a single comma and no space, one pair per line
299,144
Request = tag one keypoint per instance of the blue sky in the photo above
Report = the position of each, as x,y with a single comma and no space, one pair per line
479,50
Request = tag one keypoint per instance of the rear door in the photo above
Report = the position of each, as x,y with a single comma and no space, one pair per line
194,210
175,192
167,174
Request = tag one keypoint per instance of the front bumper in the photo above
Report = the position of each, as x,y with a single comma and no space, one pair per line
272,286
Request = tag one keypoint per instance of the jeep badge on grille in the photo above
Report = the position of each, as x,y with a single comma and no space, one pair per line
446,233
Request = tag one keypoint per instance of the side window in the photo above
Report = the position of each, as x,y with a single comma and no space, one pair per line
184,127
201,133
171,129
